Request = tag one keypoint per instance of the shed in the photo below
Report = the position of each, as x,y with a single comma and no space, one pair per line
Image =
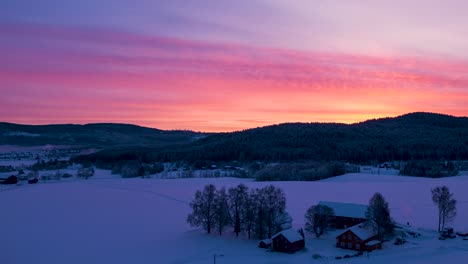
346,214
265,243
360,238
288,241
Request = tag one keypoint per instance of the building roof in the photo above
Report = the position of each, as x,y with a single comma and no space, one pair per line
347,209
361,231
290,234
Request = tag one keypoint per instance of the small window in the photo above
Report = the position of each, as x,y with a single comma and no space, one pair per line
342,244
350,245
358,246
350,237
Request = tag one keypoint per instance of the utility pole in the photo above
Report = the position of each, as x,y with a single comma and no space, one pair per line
214,257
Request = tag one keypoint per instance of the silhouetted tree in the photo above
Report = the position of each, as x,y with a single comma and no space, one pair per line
447,205
221,208
203,208
317,219
272,205
238,197
249,211
378,215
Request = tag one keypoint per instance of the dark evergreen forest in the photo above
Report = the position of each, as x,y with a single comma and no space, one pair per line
411,137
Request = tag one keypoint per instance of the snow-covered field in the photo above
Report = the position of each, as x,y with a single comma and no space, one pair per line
112,220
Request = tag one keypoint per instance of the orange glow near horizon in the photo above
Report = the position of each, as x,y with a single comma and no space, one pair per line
182,84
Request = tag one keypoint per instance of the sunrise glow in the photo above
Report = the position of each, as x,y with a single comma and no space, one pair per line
60,72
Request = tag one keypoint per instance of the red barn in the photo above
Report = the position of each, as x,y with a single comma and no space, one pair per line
358,238
288,241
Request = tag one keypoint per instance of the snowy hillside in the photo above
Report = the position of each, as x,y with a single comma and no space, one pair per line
110,220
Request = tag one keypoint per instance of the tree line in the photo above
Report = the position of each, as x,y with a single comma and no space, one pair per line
412,137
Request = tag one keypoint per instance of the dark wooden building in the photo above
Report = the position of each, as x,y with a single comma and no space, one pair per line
288,241
358,238
346,214
10,180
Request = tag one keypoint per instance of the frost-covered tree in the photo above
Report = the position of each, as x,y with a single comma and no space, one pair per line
378,215
447,205
238,197
85,172
317,219
203,208
221,208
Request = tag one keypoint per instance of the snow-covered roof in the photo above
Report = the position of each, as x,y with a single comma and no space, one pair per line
266,241
373,242
362,231
290,234
347,209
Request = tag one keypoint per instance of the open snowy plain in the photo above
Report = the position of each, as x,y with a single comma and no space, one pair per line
111,220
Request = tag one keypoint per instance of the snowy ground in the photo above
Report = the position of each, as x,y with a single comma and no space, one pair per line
110,220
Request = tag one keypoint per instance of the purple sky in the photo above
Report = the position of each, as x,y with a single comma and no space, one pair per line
228,65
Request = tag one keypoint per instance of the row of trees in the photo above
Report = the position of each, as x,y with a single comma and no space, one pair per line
302,171
429,168
260,212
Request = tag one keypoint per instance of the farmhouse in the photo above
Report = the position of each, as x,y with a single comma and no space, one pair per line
346,214
288,241
359,238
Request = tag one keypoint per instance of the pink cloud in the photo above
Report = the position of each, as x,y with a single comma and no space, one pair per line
88,75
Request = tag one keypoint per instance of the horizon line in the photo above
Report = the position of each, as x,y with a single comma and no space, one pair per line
232,131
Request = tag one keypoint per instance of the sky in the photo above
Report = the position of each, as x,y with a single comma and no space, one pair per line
219,65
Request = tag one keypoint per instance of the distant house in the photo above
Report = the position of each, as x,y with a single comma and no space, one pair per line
10,180
358,238
288,241
346,214
385,165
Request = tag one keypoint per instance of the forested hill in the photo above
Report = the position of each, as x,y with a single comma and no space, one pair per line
413,136
95,135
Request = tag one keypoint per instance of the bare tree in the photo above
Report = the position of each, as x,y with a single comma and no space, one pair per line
378,215
260,213
281,222
238,197
221,208
447,205
317,219
272,207
203,208
249,210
